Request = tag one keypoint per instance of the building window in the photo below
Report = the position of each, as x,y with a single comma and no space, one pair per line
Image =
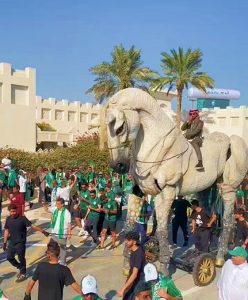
58,115
222,121
93,116
234,121
83,117
71,116
46,113
19,95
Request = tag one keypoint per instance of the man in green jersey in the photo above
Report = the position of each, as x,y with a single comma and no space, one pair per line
80,213
240,199
81,176
91,176
110,210
3,176
60,175
101,181
49,184
128,184
115,181
93,216
49,179
109,192
89,289
162,287
141,222
12,178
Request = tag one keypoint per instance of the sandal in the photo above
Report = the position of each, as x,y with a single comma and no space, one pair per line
99,247
111,247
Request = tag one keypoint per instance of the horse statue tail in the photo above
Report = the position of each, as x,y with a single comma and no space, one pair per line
237,164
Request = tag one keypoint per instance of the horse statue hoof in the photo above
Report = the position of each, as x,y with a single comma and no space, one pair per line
219,262
125,272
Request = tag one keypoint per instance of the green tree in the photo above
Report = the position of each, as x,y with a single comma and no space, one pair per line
124,71
181,69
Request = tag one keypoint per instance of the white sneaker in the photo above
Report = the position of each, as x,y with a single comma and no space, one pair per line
68,244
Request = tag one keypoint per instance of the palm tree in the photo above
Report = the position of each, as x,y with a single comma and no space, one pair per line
181,69
125,70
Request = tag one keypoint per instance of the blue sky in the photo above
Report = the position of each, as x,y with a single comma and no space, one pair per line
62,39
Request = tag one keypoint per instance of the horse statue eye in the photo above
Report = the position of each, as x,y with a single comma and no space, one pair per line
120,129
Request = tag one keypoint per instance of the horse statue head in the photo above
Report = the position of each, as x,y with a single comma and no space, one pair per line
122,127
135,122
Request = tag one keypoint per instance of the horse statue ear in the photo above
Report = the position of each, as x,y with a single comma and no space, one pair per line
110,117
121,115
120,120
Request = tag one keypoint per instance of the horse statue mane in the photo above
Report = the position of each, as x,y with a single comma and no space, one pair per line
144,140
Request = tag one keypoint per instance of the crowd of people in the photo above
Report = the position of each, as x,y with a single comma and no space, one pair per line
92,202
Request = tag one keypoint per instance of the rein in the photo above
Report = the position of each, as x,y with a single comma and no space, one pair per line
160,161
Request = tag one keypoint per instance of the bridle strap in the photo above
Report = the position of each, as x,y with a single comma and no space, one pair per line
122,145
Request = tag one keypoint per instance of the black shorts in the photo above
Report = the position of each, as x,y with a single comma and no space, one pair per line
80,214
3,186
111,225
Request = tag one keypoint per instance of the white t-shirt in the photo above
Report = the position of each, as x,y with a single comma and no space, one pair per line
67,222
233,282
64,193
54,196
22,184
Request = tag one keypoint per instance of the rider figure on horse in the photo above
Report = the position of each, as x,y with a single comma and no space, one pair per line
193,127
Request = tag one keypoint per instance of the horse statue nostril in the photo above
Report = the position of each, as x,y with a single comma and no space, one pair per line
121,168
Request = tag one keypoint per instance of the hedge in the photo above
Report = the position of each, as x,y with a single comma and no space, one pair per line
82,154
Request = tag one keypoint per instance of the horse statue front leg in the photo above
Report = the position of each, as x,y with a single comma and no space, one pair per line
228,195
133,211
163,202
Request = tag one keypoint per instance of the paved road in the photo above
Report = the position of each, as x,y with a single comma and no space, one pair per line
105,265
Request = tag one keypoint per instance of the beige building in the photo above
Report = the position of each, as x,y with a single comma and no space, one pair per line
17,108
69,119
21,110
229,121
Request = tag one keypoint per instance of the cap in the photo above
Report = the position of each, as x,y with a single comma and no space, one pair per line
89,285
151,272
238,251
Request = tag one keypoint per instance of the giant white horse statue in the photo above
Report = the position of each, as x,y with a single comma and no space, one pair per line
144,140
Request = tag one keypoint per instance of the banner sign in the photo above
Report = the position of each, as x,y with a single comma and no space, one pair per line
194,93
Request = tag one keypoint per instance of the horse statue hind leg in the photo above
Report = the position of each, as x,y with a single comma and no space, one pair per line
234,172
